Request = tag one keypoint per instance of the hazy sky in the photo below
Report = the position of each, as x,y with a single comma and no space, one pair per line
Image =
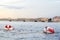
29,8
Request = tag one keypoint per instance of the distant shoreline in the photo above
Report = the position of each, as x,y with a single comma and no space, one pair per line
54,19
27,21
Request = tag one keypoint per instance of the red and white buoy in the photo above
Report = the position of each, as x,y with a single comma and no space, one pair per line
8,27
48,30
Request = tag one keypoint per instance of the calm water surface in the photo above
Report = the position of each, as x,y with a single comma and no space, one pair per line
28,31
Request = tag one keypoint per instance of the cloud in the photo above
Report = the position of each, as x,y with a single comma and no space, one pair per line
17,4
14,7
34,8
12,4
11,7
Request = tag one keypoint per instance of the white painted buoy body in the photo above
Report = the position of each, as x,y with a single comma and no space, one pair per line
8,27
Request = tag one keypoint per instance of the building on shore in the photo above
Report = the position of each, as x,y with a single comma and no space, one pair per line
43,19
56,19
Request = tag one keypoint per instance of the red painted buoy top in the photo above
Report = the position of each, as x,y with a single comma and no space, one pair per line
49,30
8,27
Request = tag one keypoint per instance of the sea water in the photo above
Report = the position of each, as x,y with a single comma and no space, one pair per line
29,31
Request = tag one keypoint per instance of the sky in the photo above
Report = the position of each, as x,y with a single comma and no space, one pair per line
29,8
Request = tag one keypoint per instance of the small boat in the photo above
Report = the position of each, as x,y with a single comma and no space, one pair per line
8,27
48,30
